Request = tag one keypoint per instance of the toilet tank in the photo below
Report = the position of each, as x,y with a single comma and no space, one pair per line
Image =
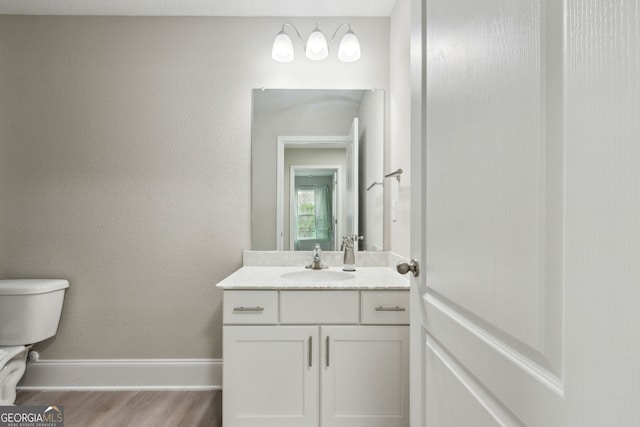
30,310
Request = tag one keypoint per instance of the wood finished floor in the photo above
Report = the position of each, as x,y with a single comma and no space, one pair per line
131,408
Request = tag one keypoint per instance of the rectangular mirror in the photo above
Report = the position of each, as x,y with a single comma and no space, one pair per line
314,154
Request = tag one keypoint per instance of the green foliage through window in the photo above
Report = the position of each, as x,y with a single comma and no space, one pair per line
306,211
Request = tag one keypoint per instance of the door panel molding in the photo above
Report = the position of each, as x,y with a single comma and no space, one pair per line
495,166
440,311
496,366
501,414
536,361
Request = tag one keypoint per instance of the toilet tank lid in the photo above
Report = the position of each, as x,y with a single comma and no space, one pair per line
31,286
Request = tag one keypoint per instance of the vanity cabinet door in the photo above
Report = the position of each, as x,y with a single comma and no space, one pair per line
364,376
270,376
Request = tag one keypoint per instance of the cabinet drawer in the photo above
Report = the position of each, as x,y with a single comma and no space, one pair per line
250,307
327,307
385,308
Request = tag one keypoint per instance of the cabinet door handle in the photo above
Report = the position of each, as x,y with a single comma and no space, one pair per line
327,350
310,352
245,309
396,308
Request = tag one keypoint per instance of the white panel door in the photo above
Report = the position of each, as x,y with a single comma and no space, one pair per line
489,318
275,371
364,376
525,201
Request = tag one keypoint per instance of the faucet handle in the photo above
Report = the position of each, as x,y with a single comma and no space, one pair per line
317,264
349,240
349,255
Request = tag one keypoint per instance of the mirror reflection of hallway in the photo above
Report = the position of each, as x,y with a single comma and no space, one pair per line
284,119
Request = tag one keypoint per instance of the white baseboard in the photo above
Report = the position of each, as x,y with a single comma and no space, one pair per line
134,374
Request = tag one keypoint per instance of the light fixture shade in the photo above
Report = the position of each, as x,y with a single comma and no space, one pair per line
317,48
282,50
349,50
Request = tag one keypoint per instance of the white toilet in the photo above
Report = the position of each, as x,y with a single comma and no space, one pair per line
29,312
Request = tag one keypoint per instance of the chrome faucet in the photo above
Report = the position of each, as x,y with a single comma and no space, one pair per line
317,264
349,260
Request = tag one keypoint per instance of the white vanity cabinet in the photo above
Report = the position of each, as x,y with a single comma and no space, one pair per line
364,376
271,376
327,358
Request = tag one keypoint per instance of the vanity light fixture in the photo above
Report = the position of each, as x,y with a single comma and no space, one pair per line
316,46
282,48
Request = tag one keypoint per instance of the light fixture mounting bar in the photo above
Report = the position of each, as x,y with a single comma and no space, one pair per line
294,29
333,37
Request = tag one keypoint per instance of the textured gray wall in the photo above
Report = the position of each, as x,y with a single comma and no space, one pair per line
125,166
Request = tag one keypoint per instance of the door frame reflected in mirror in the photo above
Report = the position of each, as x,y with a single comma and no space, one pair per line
305,142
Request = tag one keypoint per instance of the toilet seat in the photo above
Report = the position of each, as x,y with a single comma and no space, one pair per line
13,362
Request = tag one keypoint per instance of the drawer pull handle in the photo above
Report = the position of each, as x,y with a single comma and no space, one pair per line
310,352
396,308
245,309
327,350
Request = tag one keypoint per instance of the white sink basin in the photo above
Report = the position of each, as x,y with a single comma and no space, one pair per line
317,276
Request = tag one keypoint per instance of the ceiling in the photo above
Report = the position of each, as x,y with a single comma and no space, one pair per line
301,8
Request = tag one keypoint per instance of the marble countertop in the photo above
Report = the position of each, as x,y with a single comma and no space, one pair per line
270,277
